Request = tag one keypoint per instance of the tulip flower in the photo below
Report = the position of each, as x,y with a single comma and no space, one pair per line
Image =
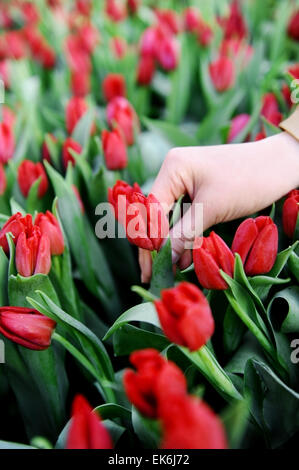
168,52
210,254
149,42
45,150
80,83
143,217
133,6
290,213
121,112
237,125
8,116
169,20
234,26
49,225
15,45
89,37
119,47
115,11
15,225
7,142
222,73
76,55
67,157
33,253
189,423
84,7
27,327
113,85
30,12
270,109
286,92
293,26
75,109
191,19
2,180
260,136
185,316
256,241
154,379
115,150
204,33
146,70
28,173
86,430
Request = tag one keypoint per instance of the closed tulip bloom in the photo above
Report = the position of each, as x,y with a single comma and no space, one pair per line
7,142
149,42
86,430
222,73
49,225
191,19
204,33
185,316
113,85
67,157
237,125
146,70
121,112
27,327
2,180
116,11
256,241
169,20
75,109
210,254
168,52
15,224
290,213
33,254
234,26
115,150
293,26
189,423
8,115
270,109
154,379
28,173
80,83
121,188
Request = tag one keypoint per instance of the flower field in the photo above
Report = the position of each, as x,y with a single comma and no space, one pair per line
95,96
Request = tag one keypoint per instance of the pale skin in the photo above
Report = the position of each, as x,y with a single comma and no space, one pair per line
231,181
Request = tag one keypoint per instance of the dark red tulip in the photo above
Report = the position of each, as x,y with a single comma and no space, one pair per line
7,142
28,173
2,180
15,224
113,85
256,241
27,327
75,109
115,150
290,213
293,26
86,430
49,225
222,73
270,109
121,113
67,157
146,70
210,254
33,253
133,6
237,125
185,316
154,379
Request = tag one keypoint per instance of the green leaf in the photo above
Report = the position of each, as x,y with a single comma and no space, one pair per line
147,430
284,310
14,445
162,273
233,330
171,132
3,277
235,419
81,133
128,339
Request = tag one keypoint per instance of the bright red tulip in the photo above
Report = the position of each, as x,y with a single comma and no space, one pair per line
154,379
167,53
115,150
27,327
84,7
76,55
15,224
143,217
256,241
113,85
237,125
116,11
28,173
33,254
293,26
75,109
89,37
260,136
121,113
149,42
185,316
80,83
169,20
270,109
49,225
191,19
222,73
210,254
189,423
7,142
290,213
67,157
234,26
2,180
15,45
146,70
86,430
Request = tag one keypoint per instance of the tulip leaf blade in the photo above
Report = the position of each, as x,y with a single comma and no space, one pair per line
162,273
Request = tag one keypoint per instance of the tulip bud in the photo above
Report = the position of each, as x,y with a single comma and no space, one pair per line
222,73
270,109
7,142
75,109
116,11
67,157
191,19
2,180
168,52
290,213
121,112
80,82
86,430
256,241
146,70
185,316
27,327
149,42
146,387
234,26
33,253
84,7
237,125
115,150
293,26
48,225
210,254
113,85
169,20
121,188
28,173
15,224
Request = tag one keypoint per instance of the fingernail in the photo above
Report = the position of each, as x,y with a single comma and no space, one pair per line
174,256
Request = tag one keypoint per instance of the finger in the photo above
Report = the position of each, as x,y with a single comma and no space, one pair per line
145,263
185,260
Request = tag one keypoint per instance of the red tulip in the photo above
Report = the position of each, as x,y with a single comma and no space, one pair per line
270,109
149,43
237,125
113,85
210,254
290,213
286,92
185,316
204,33
143,217
45,150
169,20
293,26
33,254
260,136
86,430
75,109
77,57
30,12
67,157
28,173
237,49
84,7
115,150
80,83
15,224
2,180
146,70
27,327
119,47
48,225
120,112
15,45
47,56
154,379
116,11
133,6
234,26
168,52
191,19
256,241
188,423
7,142
222,73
